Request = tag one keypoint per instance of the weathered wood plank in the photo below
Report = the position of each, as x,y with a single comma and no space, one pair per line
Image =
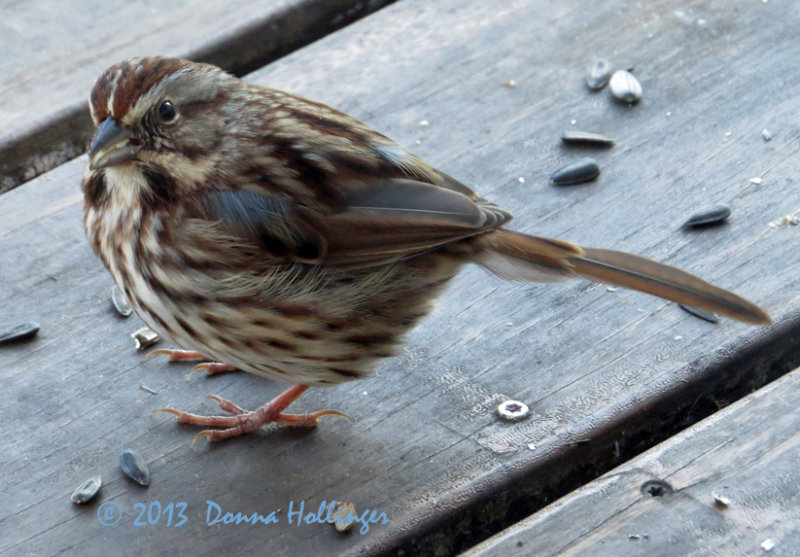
50,61
663,502
605,373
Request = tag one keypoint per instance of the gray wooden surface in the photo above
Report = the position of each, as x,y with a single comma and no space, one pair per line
728,485
53,51
605,373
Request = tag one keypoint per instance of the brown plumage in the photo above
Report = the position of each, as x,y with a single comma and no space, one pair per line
276,235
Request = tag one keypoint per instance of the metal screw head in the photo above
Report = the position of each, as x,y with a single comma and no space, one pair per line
513,410
656,488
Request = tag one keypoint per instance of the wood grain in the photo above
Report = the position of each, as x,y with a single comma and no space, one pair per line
53,52
722,487
606,374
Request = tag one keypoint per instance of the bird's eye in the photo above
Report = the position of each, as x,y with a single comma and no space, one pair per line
167,112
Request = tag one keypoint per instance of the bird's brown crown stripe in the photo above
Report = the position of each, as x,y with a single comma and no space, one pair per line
129,84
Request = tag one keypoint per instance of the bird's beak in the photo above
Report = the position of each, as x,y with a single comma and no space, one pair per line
111,145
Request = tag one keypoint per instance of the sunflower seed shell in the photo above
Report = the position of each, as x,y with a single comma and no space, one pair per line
120,302
343,517
625,87
135,467
144,338
598,72
86,491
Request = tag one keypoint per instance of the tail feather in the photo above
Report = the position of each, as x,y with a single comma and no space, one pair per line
519,256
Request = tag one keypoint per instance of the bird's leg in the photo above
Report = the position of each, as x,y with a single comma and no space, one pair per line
243,422
174,355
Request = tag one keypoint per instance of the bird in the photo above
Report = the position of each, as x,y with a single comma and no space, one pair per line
265,232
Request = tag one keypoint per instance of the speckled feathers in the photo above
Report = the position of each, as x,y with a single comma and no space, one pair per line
281,236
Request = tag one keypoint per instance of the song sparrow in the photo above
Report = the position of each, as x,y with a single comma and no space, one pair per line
275,235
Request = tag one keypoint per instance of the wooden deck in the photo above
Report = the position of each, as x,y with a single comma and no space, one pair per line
49,63
607,374
726,486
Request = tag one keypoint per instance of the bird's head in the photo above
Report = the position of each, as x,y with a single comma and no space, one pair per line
160,112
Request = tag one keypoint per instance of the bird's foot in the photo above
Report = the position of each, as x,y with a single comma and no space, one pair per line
243,422
212,368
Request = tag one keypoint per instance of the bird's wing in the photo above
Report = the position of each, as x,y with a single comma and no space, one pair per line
390,221
324,188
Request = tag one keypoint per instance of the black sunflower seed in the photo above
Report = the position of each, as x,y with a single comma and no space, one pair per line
578,172
713,214
586,138
701,313
23,331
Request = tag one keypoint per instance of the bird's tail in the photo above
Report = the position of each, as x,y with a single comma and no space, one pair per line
519,256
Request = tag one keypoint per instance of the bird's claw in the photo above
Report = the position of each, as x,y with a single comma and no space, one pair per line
243,421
